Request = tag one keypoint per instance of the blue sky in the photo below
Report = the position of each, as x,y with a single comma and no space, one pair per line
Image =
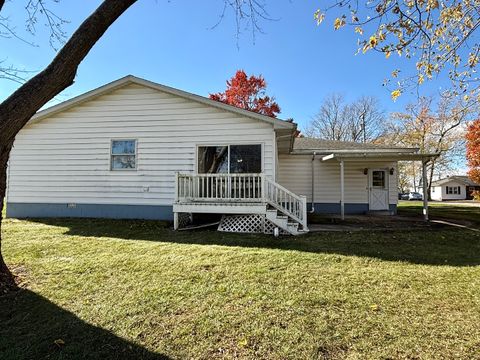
173,43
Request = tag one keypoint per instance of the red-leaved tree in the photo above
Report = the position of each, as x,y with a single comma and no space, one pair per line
473,150
248,92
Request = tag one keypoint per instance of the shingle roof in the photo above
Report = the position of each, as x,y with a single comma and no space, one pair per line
457,178
305,143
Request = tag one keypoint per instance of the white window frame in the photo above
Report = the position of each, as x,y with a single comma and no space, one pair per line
453,190
135,154
386,179
262,164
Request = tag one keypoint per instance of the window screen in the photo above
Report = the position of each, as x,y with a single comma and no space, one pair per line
245,159
124,155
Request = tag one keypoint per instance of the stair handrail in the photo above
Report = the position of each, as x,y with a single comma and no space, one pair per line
295,207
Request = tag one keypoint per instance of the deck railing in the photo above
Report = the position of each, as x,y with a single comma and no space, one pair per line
220,187
224,188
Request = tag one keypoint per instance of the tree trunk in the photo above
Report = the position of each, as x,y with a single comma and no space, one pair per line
19,107
7,281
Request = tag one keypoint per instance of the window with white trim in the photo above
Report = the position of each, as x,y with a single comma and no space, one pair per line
453,190
123,155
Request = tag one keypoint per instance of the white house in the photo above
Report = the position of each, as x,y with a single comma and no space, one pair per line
137,149
455,187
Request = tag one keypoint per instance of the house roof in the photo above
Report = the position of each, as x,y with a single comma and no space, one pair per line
130,79
462,179
305,144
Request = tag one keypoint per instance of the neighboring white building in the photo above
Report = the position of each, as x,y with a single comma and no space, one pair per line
455,187
137,149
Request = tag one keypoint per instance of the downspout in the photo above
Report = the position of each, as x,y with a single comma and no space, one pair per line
312,210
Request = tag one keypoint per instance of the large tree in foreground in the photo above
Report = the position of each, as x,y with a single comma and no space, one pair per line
20,106
248,92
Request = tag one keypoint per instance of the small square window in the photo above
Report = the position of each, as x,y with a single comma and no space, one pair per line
378,179
124,155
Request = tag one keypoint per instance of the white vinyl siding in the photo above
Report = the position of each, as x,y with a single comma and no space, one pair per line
66,158
295,173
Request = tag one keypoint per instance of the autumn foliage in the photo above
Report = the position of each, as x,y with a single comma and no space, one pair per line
473,150
248,92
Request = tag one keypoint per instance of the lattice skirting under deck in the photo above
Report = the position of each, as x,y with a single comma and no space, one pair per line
184,219
249,223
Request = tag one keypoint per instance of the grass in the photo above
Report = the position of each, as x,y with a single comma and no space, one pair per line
132,289
443,210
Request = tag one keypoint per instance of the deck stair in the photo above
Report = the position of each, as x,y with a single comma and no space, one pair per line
283,222
249,202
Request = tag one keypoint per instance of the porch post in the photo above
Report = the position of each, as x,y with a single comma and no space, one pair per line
175,221
342,189
425,189
262,190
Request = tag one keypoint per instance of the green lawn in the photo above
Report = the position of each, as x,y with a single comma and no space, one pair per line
442,211
131,289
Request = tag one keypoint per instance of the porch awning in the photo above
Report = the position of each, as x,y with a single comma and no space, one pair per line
378,156
352,156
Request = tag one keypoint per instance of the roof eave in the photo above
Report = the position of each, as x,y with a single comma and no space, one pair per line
356,151
399,156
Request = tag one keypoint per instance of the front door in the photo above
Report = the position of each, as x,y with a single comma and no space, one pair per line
378,189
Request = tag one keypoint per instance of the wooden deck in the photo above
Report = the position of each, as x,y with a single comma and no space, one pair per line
240,194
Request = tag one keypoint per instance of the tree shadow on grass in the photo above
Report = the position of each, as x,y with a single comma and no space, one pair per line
436,246
35,328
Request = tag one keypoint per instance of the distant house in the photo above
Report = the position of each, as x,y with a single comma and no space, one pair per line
137,149
455,187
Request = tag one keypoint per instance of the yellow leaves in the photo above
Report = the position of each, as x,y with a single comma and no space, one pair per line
472,60
387,54
421,79
370,44
374,307
319,17
395,94
358,30
428,70
395,73
432,4
338,23
243,342
439,31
